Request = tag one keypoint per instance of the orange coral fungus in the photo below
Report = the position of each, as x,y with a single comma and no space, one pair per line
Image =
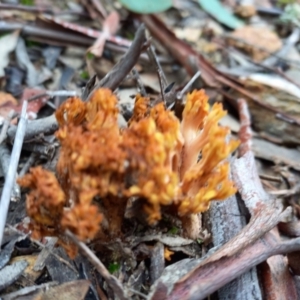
168,253
45,202
204,179
153,178
83,220
141,108
159,159
71,112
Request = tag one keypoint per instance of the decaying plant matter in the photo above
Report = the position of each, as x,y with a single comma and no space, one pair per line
157,161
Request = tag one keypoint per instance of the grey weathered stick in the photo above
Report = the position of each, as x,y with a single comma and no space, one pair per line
13,165
46,125
180,94
139,83
226,222
30,161
112,281
5,158
161,74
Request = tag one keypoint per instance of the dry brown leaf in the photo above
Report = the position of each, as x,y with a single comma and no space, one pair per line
254,39
245,10
75,290
29,275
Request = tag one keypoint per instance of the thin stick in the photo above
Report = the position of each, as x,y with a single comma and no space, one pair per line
180,94
13,165
287,193
30,161
245,133
53,94
154,58
161,75
112,281
270,178
139,83
138,293
5,158
46,125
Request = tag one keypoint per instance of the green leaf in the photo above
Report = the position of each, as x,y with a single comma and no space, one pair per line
27,2
147,6
221,13
84,75
113,267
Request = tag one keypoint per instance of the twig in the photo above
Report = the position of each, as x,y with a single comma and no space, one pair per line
154,58
32,9
5,158
88,88
30,161
39,10
53,94
208,279
124,66
47,150
13,165
287,193
180,94
46,125
161,75
138,293
139,83
270,178
112,281
245,133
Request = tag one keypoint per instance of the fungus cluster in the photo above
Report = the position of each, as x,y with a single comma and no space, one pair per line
158,161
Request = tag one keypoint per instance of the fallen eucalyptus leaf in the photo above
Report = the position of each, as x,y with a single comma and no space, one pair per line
221,13
277,83
147,6
75,290
27,291
276,154
171,241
